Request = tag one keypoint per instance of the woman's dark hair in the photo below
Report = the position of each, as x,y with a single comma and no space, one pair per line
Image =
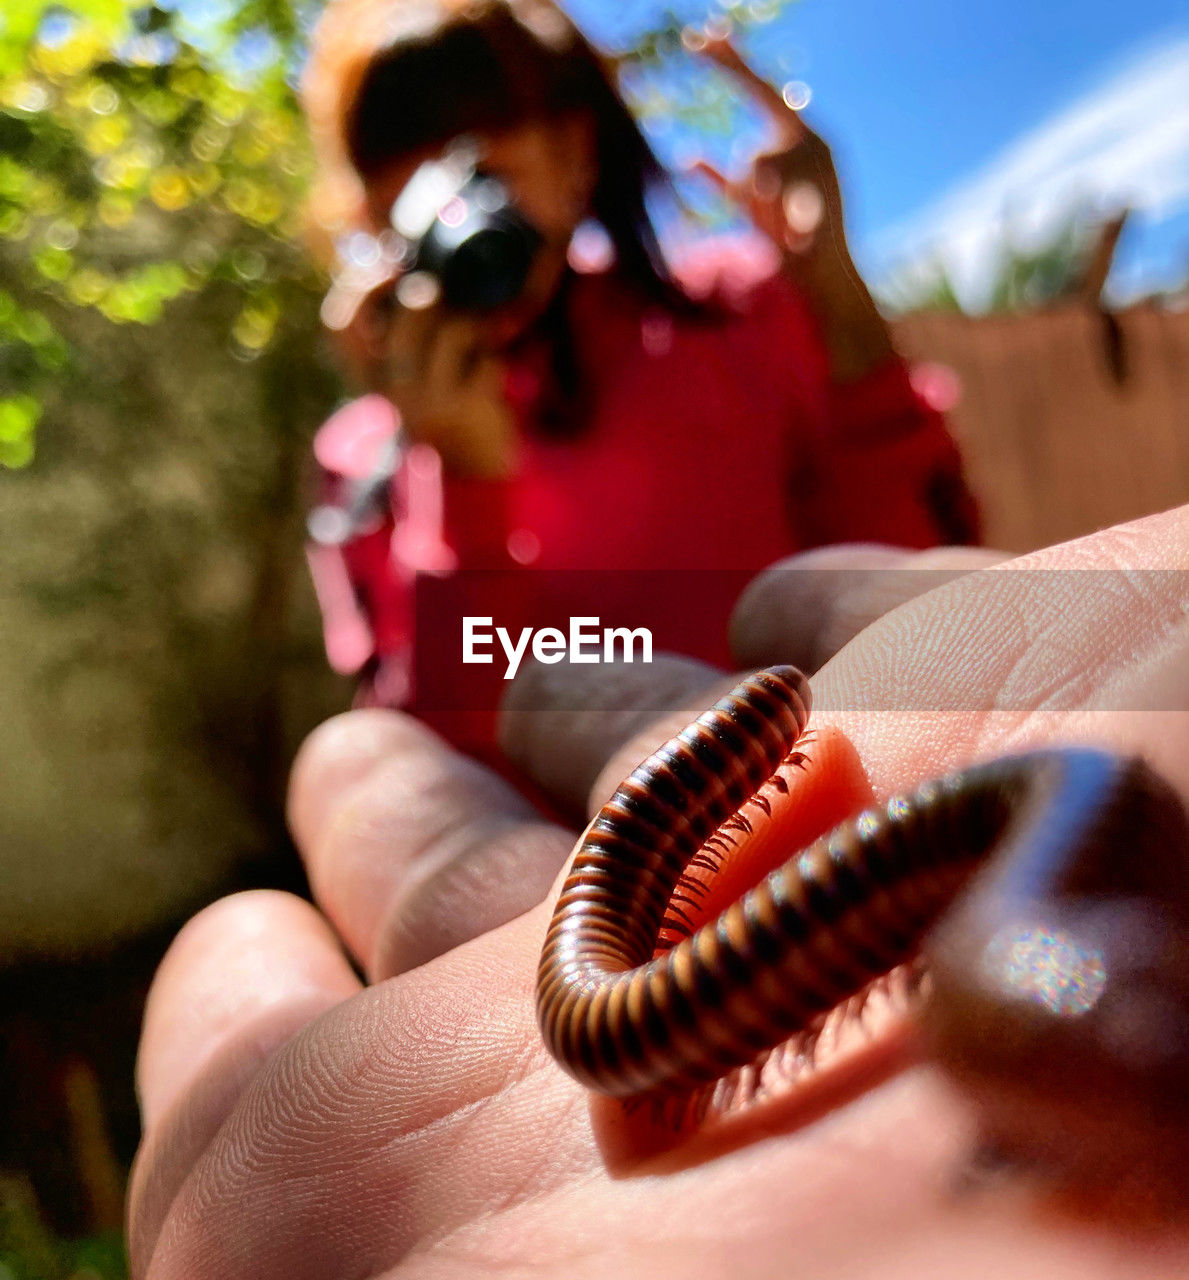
490,70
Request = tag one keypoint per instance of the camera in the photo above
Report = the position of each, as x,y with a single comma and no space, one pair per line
460,226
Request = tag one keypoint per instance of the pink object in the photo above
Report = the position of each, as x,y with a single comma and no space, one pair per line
349,442
417,542
938,385
346,634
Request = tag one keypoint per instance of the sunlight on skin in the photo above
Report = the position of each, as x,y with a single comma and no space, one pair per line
418,1128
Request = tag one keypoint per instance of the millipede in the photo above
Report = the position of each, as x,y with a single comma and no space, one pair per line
1043,832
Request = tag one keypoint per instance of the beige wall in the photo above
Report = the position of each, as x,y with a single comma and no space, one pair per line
1056,446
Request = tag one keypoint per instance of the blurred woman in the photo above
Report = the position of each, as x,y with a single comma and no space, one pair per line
624,416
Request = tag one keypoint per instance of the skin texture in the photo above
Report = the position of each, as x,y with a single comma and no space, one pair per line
300,1124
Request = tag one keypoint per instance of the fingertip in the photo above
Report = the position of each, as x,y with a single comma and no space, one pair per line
806,608
404,845
336,756
240,980
718,45
784,613
237,958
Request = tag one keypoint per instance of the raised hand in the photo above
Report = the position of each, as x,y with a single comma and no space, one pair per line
793,196
397,339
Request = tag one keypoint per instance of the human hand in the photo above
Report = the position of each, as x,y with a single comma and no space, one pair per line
793,197
298,1124
809,606
397,338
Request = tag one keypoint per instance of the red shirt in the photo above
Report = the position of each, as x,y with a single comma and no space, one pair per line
713,444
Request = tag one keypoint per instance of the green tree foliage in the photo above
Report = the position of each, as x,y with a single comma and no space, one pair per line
141,157
148,152
1025,275
159,333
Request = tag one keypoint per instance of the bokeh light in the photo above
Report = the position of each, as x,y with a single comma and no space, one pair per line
1046,966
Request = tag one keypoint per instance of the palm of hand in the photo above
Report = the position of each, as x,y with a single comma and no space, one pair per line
300,1126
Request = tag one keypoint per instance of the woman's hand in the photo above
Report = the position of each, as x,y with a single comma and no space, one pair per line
398,339
793,196
299,1123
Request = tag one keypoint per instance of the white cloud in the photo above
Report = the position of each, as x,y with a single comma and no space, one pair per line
1124,143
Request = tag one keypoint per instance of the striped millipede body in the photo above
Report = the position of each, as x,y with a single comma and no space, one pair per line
852,907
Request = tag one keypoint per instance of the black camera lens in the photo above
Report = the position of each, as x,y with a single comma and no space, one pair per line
479,246
482,264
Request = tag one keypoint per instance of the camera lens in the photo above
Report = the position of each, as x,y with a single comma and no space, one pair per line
479,246
488,269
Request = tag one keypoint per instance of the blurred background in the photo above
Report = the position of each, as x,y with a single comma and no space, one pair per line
1017,183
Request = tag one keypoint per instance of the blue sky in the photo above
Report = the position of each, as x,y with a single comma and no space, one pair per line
944,114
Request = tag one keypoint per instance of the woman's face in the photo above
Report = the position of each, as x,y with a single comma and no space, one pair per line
550,169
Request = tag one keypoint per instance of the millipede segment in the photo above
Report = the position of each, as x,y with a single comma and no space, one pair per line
820,929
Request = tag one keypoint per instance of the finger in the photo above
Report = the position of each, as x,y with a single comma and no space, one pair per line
804,609
241,979
398,1118
763,188
411,329
803,207
993,661
1017,656
338,755
242,956
560,723
452,355
723,51
352,292
418,292
340,307
412,848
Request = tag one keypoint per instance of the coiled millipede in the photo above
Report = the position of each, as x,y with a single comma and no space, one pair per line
1076,846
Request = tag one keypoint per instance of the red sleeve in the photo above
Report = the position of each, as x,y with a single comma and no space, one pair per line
889,470
872,461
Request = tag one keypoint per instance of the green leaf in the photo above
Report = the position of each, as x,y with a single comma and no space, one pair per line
18,418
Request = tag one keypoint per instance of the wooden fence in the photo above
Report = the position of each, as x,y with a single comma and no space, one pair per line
1070,419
